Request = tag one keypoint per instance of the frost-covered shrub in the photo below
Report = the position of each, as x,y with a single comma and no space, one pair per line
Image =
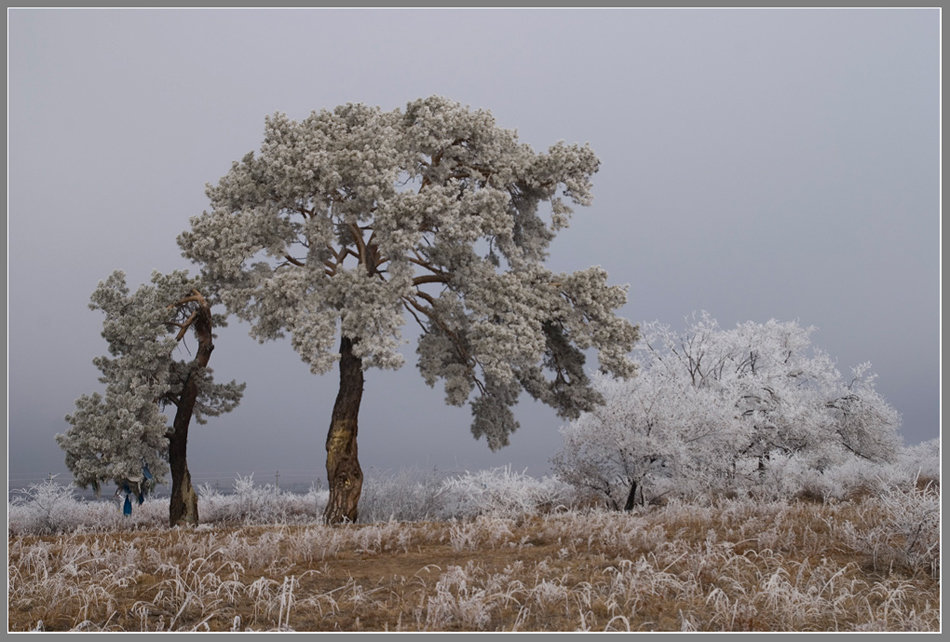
912,520
404,496
755,409
51,507
500,491
44,508
253,504
855,478
787,476
900,526
920,462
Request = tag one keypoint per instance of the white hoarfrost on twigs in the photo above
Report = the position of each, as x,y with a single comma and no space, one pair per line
755,408
500,492
349,219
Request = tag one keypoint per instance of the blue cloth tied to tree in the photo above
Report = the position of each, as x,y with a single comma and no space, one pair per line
141,485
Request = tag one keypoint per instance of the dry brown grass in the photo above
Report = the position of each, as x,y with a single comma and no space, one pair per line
737,566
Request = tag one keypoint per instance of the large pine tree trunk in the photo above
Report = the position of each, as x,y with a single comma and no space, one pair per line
344,474
183,507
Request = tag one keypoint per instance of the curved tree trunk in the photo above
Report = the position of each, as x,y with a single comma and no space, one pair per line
344,474
183,507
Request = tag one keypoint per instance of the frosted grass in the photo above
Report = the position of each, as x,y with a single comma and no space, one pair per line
518,563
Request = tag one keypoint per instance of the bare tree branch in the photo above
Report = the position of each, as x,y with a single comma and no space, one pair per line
430,278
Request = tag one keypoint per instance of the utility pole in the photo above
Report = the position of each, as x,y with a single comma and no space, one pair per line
277,480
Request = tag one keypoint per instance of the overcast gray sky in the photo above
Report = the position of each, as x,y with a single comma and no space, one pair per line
777,163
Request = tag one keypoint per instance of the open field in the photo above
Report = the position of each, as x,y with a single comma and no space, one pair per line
870,563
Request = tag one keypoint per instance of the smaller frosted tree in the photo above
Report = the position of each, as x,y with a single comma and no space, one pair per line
115,433
712,407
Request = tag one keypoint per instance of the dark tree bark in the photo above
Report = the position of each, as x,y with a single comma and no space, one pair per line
344,474
183,507
632,496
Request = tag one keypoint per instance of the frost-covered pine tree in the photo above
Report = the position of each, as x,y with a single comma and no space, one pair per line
712,409
352,221
113,435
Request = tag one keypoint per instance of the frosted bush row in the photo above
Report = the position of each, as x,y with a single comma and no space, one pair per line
53,507
753,410
790,477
